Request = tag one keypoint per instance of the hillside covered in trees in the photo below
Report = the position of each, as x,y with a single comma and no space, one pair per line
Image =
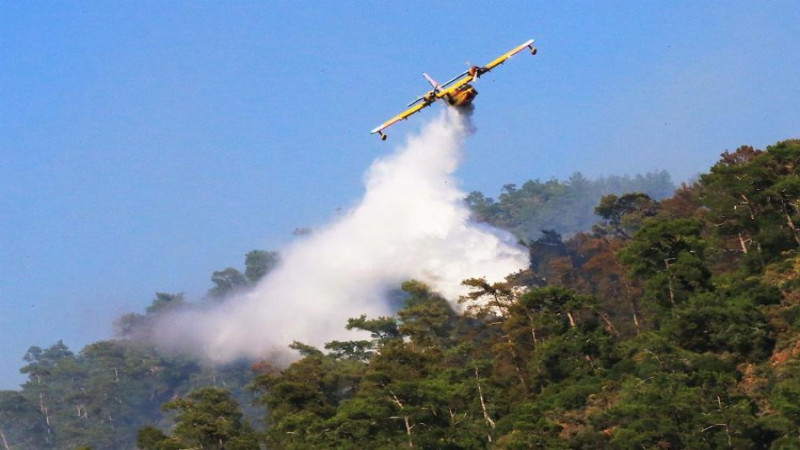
669,323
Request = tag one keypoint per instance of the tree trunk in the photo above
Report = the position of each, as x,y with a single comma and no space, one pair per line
749,207
515,361
631,298
742,243
669,282
5,443
43,409
486,416
514,358
790,222
405,418
533,328
635,313
610,326
408,431
571,320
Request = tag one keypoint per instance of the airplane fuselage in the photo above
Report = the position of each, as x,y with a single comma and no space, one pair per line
462,96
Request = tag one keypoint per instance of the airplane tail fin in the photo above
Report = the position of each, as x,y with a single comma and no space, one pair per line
434,83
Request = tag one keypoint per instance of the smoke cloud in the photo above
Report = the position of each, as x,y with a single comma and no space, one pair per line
411,224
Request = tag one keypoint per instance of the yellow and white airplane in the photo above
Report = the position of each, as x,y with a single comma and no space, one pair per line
456,92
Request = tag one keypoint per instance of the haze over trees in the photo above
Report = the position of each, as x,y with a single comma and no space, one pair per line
669,321
564,206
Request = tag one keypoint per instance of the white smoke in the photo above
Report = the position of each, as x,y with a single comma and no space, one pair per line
411,224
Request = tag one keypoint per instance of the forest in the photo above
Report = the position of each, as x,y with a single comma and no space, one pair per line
649,318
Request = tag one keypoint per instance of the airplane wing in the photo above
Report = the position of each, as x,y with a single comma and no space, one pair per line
501,59
460,80
403,115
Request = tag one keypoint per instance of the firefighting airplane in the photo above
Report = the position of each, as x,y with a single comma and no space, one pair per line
456,92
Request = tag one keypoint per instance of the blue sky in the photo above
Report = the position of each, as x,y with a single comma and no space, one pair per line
145,144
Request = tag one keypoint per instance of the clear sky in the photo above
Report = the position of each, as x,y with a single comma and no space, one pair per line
145,144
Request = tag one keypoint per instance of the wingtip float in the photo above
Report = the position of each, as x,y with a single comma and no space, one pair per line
456,92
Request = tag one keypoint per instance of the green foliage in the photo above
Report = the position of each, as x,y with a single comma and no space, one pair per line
754,200
670,256
165,302
564,206
101,396
710,322
210,418
230,281
306,394
258,263
151,438
356,350
381,329
623,216
227,282
20,421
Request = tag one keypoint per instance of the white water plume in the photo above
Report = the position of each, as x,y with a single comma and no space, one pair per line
411,224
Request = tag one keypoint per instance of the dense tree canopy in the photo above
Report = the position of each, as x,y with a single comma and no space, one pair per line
667,323
672,324
100,397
